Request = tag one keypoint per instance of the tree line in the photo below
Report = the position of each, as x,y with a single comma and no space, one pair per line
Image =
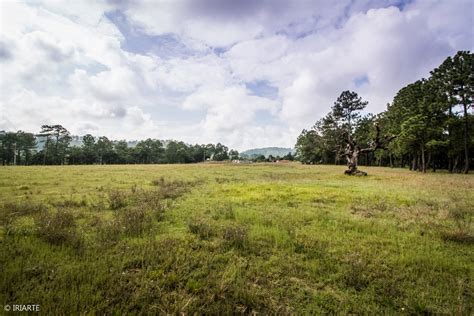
20,148
428,124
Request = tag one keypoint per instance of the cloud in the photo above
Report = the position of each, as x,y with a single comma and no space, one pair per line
227,109
5,52
244,73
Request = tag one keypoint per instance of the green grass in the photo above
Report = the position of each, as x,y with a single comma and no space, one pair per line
222,238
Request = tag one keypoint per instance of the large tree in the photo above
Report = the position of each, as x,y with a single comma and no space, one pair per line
455,81
346,111
57,139
342,133
26,142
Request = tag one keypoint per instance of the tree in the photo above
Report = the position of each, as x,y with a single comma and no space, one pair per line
197,153
76,156
8,143
342,132
89,154
209,151
60,137
149,151
233,154
455,80
123,152
289,156
260,158
26,142
104,149
364,135
308,147
353,150
345,114
345,111
221,152
177,152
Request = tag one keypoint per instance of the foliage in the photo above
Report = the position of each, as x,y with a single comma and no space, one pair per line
20,148
430,119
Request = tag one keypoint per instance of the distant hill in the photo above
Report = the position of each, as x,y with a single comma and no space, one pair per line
267,151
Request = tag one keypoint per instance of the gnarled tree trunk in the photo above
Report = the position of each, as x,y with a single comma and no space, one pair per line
353,151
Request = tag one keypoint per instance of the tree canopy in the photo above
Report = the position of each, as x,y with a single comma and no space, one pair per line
431,119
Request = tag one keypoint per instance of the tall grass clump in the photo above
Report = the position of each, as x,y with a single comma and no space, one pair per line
58,228
134,221
10,212
24,207
202,228
461,215
172,189
235,236
117,199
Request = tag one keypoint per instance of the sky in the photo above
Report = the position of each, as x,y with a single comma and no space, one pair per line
245,73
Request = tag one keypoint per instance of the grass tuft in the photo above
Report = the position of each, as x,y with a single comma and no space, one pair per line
58,228
117,199
202,228
235,236
134,221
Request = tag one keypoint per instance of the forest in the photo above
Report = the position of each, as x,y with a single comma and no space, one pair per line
20,149
428,124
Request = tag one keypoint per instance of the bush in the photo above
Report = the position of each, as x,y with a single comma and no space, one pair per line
235,236
117,199
10,212
58,228
201,228
25,207
133,220
462,217
70,202
151,200
107,231
226,211
172,189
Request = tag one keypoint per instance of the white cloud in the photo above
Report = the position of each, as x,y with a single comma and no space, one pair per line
228,109
65,63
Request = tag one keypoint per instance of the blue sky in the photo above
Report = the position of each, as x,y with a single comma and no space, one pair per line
245,73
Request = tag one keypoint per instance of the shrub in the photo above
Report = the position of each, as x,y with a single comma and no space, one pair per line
58,228
235,236
201,228
25,207
172,189
133,220
221,180
107,231
151,200
100,204
117,199
9,213
462,217
226,212
70,202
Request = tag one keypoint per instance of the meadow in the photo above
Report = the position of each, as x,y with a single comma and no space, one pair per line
228,238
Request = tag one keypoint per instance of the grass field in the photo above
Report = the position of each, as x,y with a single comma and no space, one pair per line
263,238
